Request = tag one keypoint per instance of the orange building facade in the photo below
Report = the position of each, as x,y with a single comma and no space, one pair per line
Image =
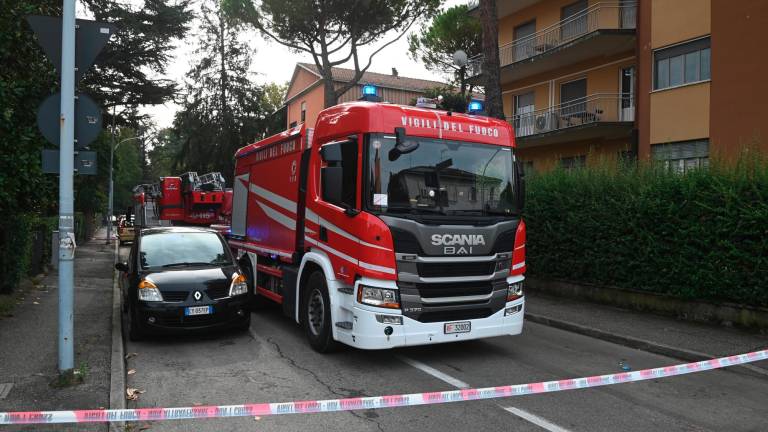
676,81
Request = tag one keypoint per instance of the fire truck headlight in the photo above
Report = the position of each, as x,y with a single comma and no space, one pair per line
515,291
148,291
379,297
239,285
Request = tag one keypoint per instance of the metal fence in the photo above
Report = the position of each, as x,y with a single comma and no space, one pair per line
618,15
591,109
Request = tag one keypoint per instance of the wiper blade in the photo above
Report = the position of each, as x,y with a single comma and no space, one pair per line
415,210
182,264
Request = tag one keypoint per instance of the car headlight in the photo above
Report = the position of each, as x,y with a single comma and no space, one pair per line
515,291
148,291
380,297
239,285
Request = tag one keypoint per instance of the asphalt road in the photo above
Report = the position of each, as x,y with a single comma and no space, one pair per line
272,362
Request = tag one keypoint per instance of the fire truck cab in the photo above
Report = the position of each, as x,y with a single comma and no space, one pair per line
385,226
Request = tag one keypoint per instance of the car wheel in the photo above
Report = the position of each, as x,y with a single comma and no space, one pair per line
316,314
244,325
135,331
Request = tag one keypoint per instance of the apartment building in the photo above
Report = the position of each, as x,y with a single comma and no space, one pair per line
305,99
676,81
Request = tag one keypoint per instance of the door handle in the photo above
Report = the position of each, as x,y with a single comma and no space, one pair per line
323,234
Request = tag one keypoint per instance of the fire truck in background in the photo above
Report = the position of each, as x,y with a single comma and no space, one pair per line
385,226
188,199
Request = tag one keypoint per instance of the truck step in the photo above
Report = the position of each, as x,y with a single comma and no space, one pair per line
346,325
270,294
269,270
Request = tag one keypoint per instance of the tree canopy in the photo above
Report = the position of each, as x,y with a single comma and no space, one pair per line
450,31
332,31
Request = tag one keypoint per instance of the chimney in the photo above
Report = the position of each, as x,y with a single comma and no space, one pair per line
394,72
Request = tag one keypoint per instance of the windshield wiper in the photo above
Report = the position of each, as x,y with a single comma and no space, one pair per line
415,210
182,264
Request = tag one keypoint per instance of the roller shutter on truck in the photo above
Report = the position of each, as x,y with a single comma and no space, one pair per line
240,204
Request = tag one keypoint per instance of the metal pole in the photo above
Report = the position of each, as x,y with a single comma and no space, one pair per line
66,198
111,179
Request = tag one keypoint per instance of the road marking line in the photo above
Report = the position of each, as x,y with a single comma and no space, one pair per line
435,373
532,418
5,388
525,415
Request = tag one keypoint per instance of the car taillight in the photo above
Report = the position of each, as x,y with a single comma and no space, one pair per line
518,254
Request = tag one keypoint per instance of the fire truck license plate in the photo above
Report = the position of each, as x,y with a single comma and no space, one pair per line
458,327
198,310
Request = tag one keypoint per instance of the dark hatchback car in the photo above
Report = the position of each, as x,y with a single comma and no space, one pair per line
180,279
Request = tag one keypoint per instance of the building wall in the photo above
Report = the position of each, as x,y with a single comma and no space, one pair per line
739,67
673,21
548,157
644,77
315,102
395,96
680,114
303,80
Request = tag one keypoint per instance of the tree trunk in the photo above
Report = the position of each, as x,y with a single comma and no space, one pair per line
490,24
329,90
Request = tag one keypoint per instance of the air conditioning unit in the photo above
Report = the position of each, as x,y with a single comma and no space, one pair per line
542,123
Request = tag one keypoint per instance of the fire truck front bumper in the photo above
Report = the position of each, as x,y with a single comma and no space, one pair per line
379,329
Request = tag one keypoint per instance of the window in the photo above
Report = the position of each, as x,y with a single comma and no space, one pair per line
524,107
682,64
340,172
528,168
524,42
182,249
574,19
573,96
573,162
303,111
682,156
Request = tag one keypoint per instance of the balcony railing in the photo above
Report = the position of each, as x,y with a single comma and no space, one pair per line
600,16
596,108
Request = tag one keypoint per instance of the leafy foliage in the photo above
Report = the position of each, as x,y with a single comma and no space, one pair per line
450,31
700,235
332,31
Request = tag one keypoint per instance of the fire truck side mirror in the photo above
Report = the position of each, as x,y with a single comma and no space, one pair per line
331,153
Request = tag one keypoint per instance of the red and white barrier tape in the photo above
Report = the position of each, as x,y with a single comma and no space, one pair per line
332,405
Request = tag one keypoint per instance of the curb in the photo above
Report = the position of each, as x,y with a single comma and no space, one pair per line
641,344
117,376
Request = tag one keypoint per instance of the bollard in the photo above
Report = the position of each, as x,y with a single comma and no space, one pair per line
55,250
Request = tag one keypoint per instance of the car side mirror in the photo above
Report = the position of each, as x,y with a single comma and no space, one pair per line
122,266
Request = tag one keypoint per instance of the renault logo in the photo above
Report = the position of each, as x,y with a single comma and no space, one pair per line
197,295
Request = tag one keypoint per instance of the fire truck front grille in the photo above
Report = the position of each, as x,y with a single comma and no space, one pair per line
448,269
175,296
456,315
434,290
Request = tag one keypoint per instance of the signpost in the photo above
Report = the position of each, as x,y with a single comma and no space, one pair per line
72,45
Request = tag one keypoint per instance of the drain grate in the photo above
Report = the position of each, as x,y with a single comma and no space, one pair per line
5,388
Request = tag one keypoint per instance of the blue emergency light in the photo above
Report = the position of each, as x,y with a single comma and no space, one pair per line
369,90
475,106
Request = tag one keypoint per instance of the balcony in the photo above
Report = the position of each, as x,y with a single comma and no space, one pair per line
603,29
595,116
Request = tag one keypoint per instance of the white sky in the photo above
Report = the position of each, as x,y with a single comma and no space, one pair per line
273,62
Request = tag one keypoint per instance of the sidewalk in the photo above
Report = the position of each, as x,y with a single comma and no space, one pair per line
28,341
668,336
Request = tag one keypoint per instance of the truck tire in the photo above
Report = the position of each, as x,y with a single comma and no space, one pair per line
316,314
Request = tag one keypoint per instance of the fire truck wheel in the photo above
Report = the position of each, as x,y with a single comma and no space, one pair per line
316,314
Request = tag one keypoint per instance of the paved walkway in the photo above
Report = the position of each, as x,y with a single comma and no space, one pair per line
28,341
660,334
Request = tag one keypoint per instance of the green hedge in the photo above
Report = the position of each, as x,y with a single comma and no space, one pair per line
18,232
702,235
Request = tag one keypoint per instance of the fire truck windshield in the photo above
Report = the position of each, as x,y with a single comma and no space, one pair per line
439,176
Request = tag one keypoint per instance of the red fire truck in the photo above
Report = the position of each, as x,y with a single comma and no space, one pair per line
188,199
385,226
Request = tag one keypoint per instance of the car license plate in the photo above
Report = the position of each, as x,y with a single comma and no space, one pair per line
198,310
458,327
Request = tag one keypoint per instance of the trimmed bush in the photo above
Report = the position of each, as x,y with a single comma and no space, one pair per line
699,235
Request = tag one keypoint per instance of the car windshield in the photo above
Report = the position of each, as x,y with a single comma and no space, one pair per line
181,249
440,176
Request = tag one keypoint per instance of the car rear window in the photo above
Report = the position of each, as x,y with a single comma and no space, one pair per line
182,249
